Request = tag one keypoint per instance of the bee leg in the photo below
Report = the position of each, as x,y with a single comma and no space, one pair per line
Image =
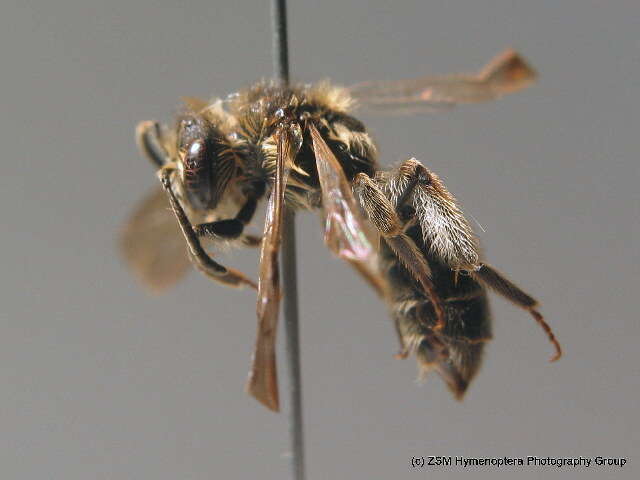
148,139
384,217
498,283
199,256
408,319
220,229
251,241
399,185
420,197
231,228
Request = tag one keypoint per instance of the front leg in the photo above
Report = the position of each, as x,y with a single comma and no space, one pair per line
384,217
232,228
199,256
151,144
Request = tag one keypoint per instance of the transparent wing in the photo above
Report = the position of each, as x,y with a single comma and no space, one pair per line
346,233
195,104
263,380
152,244
506,73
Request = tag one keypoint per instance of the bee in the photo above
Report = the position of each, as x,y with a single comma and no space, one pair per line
300,147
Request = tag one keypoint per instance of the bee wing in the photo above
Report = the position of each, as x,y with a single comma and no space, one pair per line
195,104
263,380
346,233
152,244
506,73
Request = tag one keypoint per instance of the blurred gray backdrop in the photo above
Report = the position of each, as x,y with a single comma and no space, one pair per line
99,379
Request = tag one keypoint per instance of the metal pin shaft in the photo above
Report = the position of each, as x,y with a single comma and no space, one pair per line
289,268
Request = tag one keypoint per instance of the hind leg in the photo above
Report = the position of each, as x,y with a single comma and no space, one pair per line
415,191
383,216
498,283
420,197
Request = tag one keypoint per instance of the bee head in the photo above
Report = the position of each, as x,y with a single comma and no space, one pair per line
203,170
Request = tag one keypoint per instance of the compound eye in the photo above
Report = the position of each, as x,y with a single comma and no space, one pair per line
196,174
191,129
196,149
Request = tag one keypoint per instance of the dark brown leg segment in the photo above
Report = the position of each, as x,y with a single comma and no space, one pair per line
232,228
148,139
498,283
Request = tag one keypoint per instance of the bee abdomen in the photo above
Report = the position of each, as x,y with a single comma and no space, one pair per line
456,352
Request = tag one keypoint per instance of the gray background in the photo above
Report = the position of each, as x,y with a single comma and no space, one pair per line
98,379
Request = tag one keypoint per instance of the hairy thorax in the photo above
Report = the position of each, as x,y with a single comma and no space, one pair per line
246,123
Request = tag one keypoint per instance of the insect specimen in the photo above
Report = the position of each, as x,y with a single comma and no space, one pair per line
300,146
